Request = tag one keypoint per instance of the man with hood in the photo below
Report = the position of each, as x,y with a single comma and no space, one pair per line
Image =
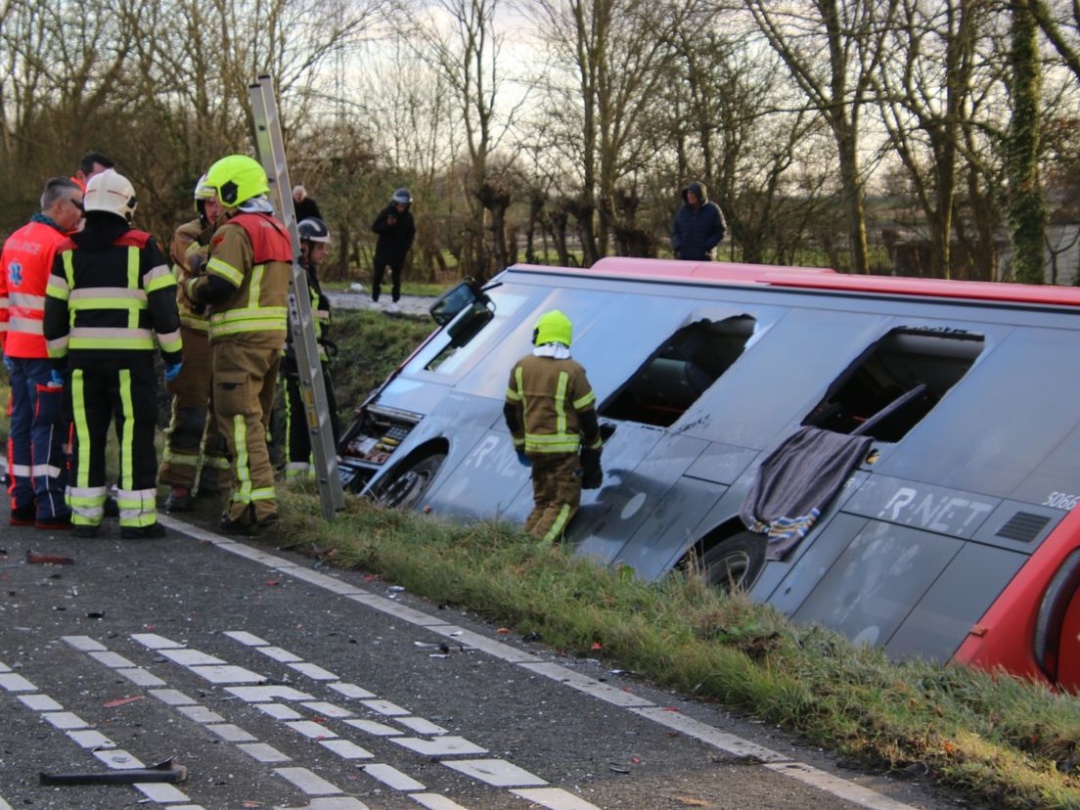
699,225
245,287
110,303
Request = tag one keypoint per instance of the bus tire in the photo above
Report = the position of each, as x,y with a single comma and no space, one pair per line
735,563
405,487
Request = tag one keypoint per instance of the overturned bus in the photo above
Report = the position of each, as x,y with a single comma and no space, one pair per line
907,451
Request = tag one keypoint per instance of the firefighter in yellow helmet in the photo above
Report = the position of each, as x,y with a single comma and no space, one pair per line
110,303
245,287
194,449
550,410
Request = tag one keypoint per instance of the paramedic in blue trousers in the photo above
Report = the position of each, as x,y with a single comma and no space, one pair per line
37,462
110,303
550,410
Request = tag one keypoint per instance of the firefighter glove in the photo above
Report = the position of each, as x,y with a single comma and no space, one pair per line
9,364
56,378
592,475
524,459
172,370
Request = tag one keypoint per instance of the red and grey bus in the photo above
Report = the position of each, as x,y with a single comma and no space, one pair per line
952,537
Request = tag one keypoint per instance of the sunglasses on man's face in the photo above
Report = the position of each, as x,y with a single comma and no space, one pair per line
78,204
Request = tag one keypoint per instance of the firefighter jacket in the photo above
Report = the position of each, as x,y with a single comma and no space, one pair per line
549,404
25,266
189,246
247,280
110,297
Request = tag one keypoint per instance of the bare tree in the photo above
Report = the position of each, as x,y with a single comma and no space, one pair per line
852,35
925,90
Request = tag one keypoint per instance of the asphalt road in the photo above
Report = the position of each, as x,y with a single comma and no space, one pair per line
280,684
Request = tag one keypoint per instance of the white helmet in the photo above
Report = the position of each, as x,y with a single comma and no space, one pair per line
112,193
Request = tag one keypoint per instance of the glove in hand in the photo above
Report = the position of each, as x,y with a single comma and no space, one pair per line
172,370
9,364
56,378
523,459
592,474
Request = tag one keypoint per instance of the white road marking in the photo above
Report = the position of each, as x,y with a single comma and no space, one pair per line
552,798
440,746
10,682
497,772
842,788
65,720
40,703
346,749
728,743
392,777
432,801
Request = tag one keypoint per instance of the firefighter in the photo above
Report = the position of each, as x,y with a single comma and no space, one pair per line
314,243
111,301
36,460
194,449
246,285
550,410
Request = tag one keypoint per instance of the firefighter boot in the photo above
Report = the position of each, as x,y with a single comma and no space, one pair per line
179,500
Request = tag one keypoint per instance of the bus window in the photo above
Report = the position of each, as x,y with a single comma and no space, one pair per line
687,364
896,383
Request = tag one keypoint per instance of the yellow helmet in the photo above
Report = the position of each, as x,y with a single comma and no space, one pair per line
553,327
236,179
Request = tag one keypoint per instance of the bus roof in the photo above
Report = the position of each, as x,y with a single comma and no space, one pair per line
815,278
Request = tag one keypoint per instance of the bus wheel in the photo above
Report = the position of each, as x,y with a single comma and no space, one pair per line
406,486
734,564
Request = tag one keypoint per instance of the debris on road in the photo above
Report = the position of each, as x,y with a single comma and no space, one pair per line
33,558
162,772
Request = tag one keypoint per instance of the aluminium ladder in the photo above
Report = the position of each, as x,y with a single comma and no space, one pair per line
271,148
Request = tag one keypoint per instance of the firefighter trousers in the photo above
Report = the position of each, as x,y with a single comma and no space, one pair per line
556,481
245,378
194,449
37,462
100,396
298,461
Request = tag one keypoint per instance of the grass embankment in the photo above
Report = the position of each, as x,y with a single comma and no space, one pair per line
1003,742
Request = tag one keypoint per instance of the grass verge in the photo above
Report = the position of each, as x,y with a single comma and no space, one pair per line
1004,742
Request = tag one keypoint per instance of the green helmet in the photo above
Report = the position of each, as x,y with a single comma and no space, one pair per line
553,327
236,179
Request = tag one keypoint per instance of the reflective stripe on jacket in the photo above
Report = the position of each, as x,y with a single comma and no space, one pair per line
550,394
25,265
105,303
253,253
185,245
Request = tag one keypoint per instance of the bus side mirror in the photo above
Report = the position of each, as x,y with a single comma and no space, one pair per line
455,300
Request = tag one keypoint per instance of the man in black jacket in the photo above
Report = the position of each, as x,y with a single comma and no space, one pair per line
396,231
109,307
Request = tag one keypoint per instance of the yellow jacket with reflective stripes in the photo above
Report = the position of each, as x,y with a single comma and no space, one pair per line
549,395
253,254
